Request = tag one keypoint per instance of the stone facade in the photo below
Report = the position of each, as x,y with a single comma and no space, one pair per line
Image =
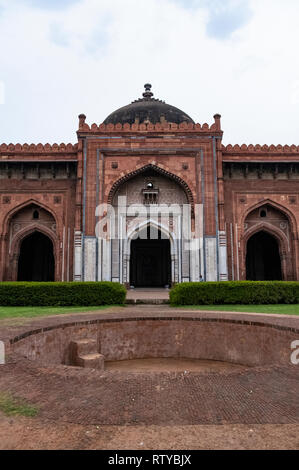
226,195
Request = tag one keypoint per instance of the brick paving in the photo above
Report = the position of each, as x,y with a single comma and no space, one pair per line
254,396
266,395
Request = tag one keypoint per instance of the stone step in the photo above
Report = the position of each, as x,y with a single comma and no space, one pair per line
83,346
91,361
147,301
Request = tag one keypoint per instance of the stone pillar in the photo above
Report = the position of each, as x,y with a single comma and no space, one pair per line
106,260
195,258
90,259
126,269
211,259
174,269
78,257
223,271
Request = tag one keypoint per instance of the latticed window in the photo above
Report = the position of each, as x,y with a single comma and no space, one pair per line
150,194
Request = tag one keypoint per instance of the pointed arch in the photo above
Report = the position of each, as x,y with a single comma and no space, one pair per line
174,264
284,245
147,223
288,214
150,260
265,256
34,227
10,214
272,230
14,251
286,241
36,258
159,170
12,241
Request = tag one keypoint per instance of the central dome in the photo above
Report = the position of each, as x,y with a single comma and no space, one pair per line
148,110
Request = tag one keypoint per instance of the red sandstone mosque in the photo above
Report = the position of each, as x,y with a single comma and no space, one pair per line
234,210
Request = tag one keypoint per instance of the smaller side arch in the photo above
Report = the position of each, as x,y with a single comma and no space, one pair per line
22,206
14,252
287,240
266,227
283,245
284,210
48,225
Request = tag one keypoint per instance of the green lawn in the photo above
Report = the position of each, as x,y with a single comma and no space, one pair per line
278,308
27,312
30,312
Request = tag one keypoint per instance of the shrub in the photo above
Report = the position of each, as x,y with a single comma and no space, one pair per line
68,294
235,293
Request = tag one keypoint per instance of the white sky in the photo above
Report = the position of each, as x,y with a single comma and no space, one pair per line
60,58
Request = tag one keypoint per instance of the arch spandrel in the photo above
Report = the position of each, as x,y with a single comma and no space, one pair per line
160,171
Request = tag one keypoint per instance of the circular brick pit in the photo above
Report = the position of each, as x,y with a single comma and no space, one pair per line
236,342
237,371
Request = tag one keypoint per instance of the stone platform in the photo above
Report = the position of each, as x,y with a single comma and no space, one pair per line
149,296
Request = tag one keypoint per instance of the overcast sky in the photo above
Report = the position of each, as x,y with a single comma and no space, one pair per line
60,58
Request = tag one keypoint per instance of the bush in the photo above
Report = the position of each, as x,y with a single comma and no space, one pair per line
56,294
235,293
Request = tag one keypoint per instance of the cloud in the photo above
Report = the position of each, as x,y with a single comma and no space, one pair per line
94,57
57,35
2,93
224,17
50,4
92,38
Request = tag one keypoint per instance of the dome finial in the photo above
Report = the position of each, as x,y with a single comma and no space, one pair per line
148,94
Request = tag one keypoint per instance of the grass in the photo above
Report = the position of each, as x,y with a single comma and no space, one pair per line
281,309
29,312
16,406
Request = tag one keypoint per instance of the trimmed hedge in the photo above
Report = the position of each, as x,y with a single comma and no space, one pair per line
235,293
57,294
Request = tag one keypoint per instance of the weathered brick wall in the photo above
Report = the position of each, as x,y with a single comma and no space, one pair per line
254,177
69,181
239,341
46,177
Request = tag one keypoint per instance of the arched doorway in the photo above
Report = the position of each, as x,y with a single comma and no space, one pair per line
155,198
263,262
36,259
150,263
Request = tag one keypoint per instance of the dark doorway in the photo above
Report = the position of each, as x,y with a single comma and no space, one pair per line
36,260
150,261
263,259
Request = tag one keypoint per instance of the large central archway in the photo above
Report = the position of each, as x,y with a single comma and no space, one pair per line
36,259
150,262
151,198
263,262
